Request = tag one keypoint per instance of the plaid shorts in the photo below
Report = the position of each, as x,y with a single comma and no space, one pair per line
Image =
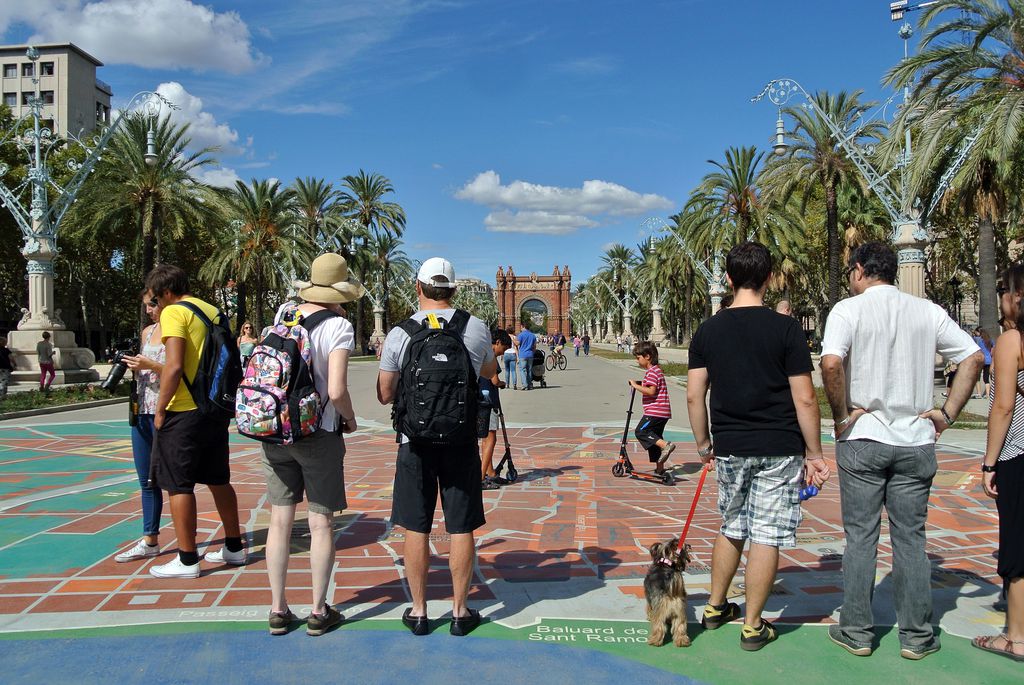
759,498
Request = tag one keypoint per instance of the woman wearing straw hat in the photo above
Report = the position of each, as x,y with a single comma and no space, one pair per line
314,465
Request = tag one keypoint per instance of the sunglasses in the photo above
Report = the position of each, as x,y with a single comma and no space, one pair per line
152,302
848,270
1001,290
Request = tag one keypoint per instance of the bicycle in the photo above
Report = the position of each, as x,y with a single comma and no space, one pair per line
554,359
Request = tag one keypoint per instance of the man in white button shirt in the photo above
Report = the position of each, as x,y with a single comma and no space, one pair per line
878,367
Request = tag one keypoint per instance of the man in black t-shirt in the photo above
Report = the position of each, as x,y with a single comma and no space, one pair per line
767,436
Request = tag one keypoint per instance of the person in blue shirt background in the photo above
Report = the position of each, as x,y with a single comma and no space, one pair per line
527,343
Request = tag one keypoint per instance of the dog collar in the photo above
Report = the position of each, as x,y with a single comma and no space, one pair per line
665,562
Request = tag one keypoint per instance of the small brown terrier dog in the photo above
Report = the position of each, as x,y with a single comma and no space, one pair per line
666,593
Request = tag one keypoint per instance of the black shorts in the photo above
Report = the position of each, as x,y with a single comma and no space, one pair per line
421,471
648,432
188,449
1010,504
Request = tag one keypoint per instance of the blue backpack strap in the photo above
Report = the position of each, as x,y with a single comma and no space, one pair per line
209,324
198,312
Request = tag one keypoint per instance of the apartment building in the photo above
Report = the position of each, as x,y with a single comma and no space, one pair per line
74,100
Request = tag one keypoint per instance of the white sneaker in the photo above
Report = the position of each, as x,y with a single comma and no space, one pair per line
226,556
175,569
141,550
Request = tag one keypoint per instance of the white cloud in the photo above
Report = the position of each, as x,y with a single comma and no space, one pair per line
162,34
221,177
435,165
533,208
546,223
204,129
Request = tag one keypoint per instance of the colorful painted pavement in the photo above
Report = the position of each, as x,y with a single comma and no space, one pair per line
561,559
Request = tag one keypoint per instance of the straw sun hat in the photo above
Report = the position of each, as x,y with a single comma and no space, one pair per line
329,282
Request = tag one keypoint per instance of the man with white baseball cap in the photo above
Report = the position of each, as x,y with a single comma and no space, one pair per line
438,272
423,469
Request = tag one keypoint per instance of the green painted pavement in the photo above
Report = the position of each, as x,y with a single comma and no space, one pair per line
19,527
39,555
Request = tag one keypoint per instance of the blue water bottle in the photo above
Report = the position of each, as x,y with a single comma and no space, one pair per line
808,492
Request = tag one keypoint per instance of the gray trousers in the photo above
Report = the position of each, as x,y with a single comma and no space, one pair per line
872,474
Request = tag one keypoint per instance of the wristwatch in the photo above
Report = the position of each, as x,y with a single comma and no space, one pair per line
985,468
706,451
945,416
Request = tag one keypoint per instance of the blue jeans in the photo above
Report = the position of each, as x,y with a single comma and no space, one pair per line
586,349
152,498
511,376
871,475
526,371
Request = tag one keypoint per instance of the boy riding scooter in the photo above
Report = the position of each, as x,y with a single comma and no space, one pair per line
657,409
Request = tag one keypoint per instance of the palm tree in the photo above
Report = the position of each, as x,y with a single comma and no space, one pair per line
388,263
155,202
265,245
362,199
973,85
315,204
618,271
815,157
674,274
728,200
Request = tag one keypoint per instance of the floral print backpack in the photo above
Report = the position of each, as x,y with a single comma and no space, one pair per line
277,401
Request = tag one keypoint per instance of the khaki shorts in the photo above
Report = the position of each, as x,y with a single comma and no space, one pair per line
314,465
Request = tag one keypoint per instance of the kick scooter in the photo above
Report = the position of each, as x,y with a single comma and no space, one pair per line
624,467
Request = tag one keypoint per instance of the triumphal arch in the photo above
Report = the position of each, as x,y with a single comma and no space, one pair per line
542,301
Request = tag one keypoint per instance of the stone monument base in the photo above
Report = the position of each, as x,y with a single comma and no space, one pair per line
72,364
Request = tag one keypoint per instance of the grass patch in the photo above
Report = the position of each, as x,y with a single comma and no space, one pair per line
610,354
668,368
965,417
58,397
674,369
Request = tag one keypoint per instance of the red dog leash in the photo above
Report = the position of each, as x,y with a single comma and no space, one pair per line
693,507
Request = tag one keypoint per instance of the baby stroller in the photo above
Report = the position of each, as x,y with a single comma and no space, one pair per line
538,368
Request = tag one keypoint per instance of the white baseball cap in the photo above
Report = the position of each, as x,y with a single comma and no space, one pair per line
438,272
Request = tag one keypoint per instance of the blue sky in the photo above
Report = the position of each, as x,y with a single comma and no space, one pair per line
524,132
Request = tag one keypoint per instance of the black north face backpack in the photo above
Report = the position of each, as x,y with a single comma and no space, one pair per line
437,397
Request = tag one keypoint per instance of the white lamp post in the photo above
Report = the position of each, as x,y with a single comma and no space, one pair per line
40,226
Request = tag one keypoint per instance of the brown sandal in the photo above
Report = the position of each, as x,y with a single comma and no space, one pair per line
985,643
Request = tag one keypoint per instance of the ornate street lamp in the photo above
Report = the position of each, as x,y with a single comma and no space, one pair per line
908,213
40,223
714,276
657,335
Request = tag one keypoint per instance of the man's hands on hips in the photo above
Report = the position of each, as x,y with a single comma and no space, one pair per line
937,419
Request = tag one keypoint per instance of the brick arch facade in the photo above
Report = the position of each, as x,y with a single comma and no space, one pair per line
555,291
